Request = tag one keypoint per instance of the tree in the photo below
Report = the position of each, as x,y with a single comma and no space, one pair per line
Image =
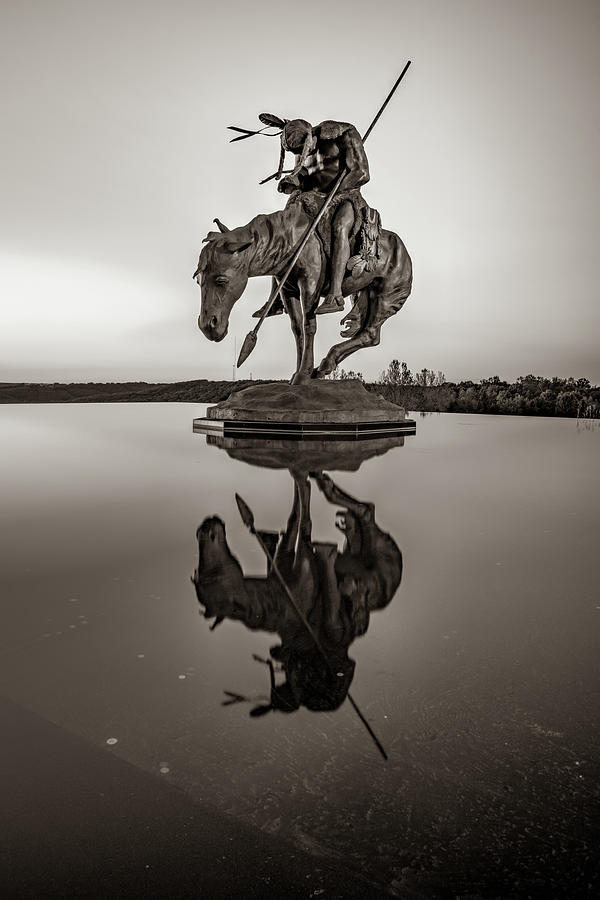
339,374
396,373
566,403
426,378
529,379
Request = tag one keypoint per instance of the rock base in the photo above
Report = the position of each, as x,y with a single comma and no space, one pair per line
336,408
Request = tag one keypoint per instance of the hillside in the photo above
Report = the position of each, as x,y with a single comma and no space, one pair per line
201,391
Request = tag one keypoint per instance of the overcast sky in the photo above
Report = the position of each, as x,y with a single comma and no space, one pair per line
115,159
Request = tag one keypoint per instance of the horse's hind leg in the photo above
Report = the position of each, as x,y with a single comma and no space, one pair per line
360,334
366,337
373,318
339,497
355,319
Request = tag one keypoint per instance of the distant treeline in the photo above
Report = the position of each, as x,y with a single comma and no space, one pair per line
530,395
425,391
201,391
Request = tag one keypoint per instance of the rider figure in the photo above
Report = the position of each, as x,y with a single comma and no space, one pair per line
321,154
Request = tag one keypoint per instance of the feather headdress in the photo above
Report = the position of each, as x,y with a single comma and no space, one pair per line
270,121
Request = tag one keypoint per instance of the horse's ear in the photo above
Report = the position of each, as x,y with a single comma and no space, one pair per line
238,246
212,236
222,228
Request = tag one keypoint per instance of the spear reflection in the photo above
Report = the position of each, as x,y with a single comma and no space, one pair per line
248,519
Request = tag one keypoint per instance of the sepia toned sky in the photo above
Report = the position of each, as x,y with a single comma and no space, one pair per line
115,160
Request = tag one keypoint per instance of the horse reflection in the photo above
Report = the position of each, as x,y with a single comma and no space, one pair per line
335,591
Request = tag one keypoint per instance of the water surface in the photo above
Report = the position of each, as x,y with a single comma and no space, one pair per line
479,677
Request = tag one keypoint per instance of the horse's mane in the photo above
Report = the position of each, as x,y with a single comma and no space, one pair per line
271,236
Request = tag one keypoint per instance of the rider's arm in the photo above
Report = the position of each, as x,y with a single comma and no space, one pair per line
355,159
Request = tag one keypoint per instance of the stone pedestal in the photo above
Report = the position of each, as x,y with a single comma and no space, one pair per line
337,409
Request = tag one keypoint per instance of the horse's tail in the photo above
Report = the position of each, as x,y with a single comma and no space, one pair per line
399,295
398,285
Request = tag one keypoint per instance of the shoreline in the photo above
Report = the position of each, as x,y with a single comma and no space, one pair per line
529,396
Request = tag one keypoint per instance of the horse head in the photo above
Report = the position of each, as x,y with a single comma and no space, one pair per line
223,590
222,273
218,578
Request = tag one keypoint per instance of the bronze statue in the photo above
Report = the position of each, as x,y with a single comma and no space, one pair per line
327,243
261,248
335,592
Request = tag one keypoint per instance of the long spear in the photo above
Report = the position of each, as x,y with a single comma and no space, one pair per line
250,339
248,520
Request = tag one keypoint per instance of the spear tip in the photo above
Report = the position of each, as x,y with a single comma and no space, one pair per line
245,512
247,347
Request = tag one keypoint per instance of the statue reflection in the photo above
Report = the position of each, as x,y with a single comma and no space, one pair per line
316,598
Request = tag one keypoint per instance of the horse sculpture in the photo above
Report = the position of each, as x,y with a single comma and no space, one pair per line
336,591
263,247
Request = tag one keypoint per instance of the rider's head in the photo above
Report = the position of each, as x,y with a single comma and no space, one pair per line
294,135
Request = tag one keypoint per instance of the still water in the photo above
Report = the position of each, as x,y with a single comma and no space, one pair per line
464,627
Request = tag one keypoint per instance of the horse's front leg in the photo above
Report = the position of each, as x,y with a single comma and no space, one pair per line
285,554
295,553
308,287
294,311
